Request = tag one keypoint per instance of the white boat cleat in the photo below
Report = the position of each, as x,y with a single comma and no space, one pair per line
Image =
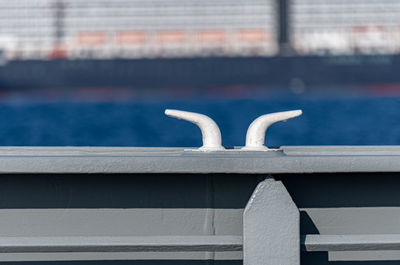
255,137
209,129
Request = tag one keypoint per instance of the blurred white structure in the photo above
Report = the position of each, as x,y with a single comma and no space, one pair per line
345,27
41,29
26,28
46,29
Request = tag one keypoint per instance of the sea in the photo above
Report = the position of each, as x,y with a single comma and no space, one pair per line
326,120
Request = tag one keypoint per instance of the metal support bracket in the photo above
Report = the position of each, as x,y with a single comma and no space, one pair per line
271,226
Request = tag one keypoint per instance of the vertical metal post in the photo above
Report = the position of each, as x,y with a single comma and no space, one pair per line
271,226
58,51
283,11
59,9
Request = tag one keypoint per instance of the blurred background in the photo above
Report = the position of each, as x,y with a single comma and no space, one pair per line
101,73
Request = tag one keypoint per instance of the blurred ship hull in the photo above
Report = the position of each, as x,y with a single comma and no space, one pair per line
279,71
265,43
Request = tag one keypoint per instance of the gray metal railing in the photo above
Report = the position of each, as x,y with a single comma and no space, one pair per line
270,221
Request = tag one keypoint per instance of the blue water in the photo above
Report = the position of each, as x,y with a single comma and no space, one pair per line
326,121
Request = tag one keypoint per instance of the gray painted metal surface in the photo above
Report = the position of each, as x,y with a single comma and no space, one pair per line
350,214
120,222
355,220
271,226
262,246
351,242
132,257
79,160
120,244
133,224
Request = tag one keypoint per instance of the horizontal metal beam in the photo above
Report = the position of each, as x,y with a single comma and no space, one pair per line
120,244
309,243
82,160
350,242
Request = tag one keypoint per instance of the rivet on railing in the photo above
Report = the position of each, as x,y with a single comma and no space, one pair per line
209,129
255,137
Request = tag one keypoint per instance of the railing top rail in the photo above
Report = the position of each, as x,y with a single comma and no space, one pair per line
119,160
